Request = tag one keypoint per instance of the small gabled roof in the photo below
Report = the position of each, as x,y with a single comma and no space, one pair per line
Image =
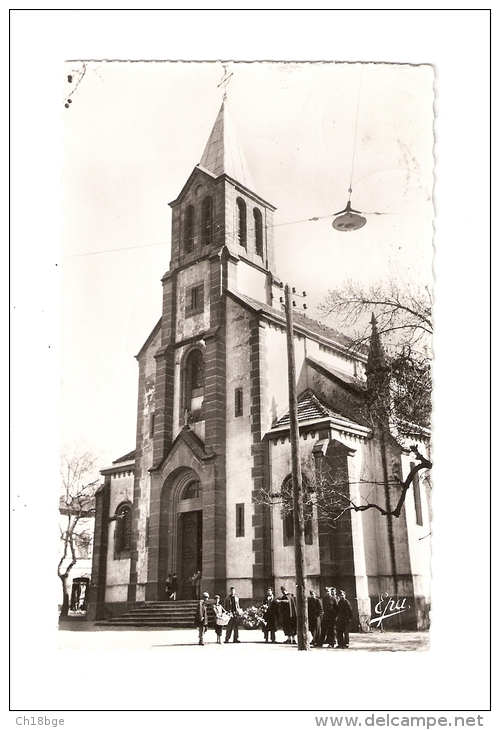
193,442
128,457
122,465
149,339
310,408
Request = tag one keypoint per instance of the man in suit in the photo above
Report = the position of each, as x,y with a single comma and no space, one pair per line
232,606
314,612
344,615
201,619
270,616
329,617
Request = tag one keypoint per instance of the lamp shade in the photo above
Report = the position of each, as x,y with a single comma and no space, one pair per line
349,222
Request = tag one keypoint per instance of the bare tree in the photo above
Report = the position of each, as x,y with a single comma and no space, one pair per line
404,314
327,491
401,388
76,503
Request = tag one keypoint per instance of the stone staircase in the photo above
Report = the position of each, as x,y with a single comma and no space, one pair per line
172,614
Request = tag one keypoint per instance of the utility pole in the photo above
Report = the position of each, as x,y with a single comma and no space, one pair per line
298,502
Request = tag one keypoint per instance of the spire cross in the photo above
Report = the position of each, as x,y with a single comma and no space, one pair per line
226,78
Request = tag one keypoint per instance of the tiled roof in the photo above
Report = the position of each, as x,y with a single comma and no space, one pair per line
321,329
310,408
149,338
300,320
349,380
128,457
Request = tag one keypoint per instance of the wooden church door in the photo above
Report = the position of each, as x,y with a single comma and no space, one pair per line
189,553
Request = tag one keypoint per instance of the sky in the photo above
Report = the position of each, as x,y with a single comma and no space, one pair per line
99,176
133,133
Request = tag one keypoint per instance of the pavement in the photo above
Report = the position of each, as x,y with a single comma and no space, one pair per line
82,634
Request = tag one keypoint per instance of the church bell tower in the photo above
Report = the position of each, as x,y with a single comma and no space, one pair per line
222,241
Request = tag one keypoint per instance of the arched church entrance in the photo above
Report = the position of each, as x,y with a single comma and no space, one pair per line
189,538
186,531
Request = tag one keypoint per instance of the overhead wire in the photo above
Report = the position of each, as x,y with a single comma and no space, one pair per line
165,243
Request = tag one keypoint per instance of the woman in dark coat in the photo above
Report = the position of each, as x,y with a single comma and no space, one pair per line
288,615
270,608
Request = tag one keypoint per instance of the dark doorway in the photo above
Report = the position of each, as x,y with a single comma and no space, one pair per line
189,554
79,595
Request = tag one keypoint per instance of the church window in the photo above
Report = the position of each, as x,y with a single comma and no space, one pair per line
238,402
287,513
207,222
151,425
194,382
240,520
123,530
288,530
242,222
192,491
189,229
194,300
257,222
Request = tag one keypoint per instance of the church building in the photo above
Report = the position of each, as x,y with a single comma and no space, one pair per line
201,493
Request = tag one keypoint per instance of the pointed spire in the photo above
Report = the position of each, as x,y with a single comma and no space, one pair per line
377,360
223,153
378,377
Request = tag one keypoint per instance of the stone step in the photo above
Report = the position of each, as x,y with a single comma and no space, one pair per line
175,614
159,606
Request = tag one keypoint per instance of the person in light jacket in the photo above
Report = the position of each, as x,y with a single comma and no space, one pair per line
220,615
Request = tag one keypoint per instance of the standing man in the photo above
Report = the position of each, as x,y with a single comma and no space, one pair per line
201,619
314,612
232,606
344,615
270,616
329,617
195,582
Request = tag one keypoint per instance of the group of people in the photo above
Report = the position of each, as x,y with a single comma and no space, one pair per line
191,588
329,617
226,616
